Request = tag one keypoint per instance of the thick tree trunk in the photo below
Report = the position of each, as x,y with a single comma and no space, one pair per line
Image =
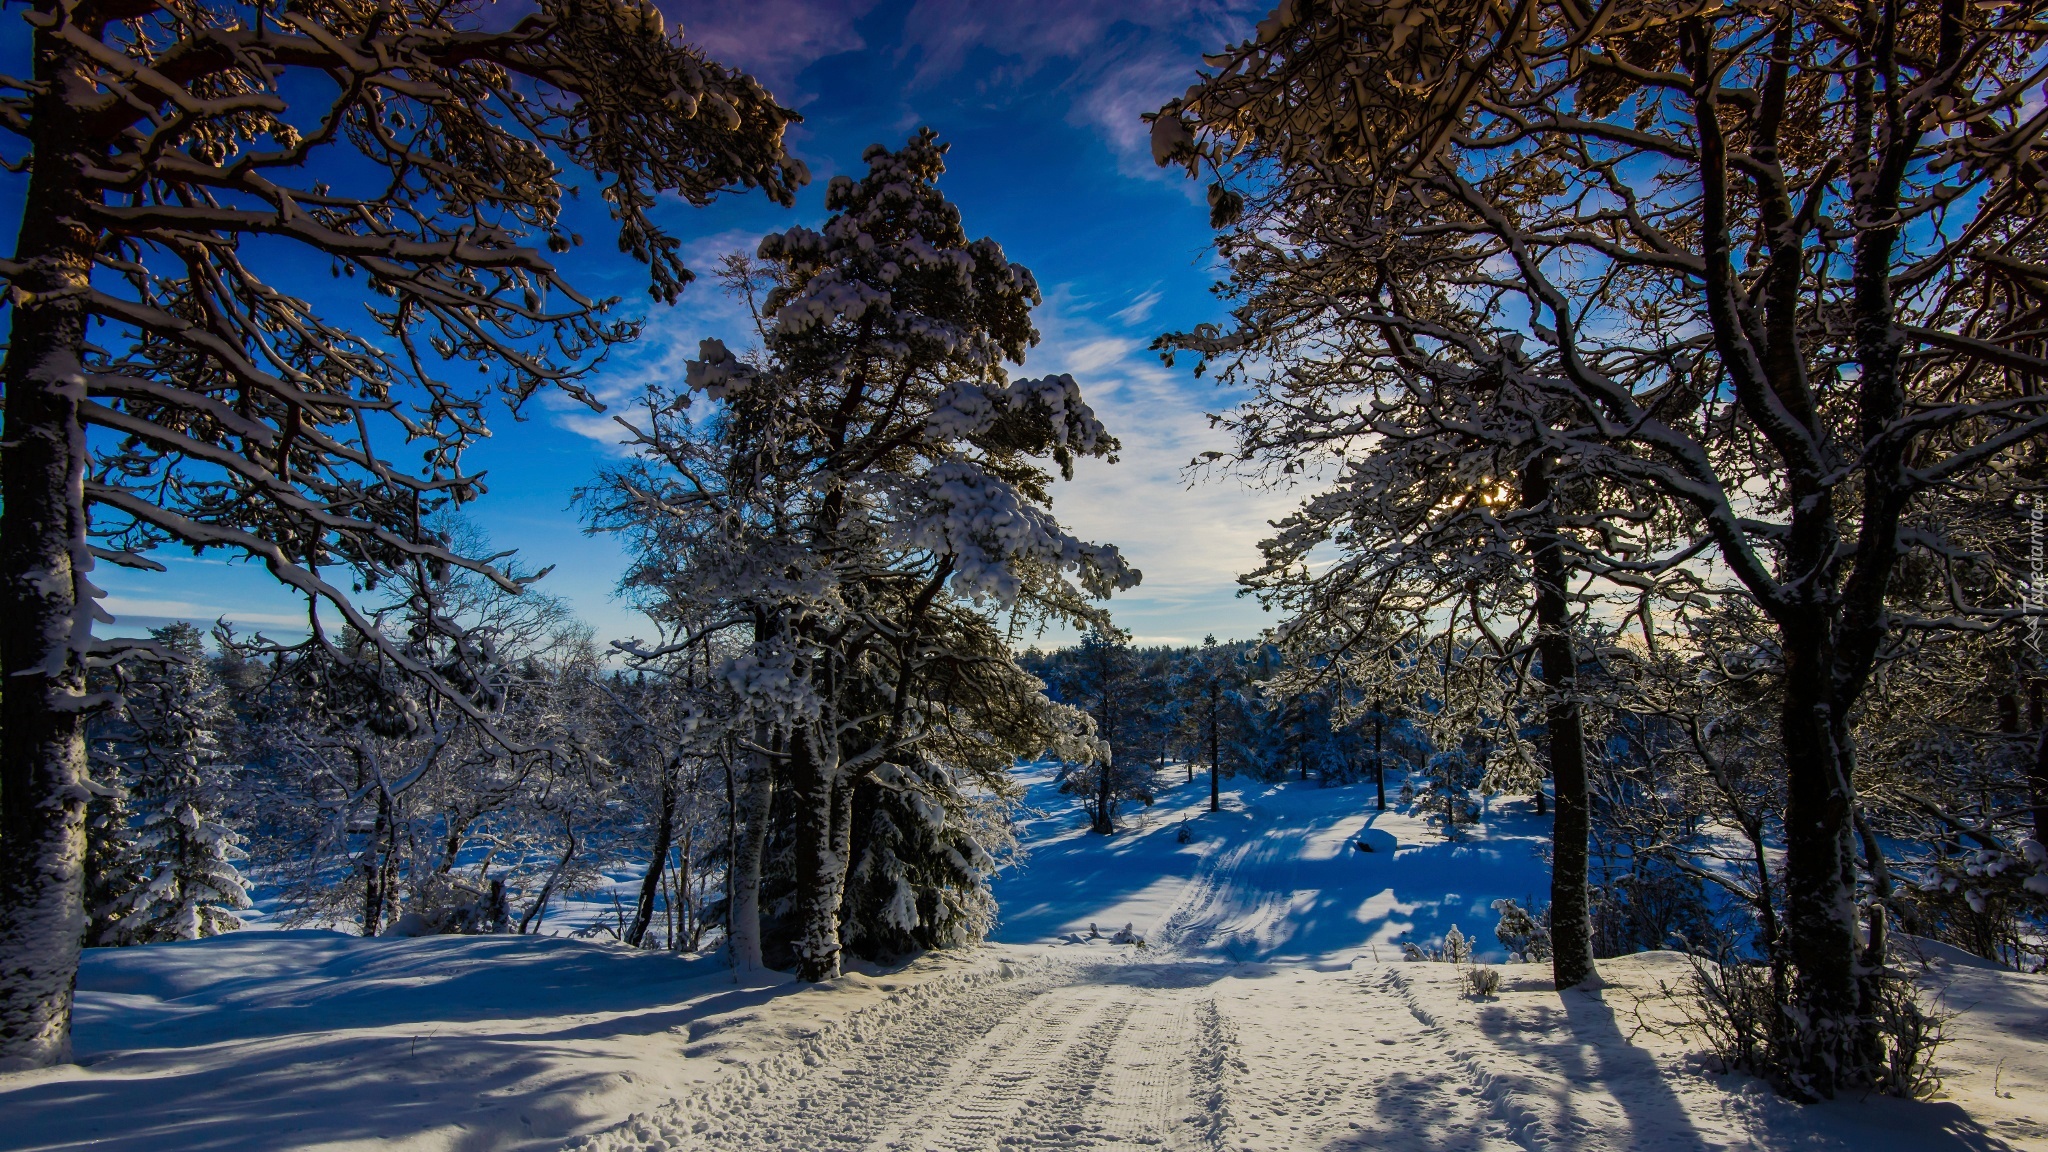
743,923
1571,912
820,867
1820,865
664,834
46,606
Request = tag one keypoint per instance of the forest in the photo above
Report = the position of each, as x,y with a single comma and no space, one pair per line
1660,388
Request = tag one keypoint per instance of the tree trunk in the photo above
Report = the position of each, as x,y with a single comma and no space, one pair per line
46,599
1571,919
664,833
820,869
743,916
2038,782
1379,766
2037,778
1820,865
376,867
1215,760
537,912
684,906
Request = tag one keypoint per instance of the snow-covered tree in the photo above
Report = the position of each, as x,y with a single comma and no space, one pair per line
1103,677
1221,709
378,791
1525,934
183,169
1783,342
116,886
866,493
176,749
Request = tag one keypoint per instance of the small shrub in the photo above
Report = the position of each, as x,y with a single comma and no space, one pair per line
1483,981
1743,1012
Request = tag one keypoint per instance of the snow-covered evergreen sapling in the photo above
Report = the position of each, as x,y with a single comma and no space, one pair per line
1448,778
1457,949
116,882
177,753
1524,934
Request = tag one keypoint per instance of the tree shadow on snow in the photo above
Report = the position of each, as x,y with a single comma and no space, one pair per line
1594,1047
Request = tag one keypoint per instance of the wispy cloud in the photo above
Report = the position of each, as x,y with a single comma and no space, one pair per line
1138,310
144,611
1191,537
668,339
1125,59
1118,60
773,40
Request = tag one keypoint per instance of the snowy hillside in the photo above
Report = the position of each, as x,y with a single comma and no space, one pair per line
1268,1009
1275,876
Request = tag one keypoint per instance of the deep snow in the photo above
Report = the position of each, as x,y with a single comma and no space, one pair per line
1268,1010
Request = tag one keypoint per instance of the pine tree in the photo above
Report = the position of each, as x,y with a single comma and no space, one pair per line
177,752
116,878
871,495
921,862
1447,779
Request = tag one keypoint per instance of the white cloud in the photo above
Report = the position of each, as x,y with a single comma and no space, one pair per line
1139,309
1191,538
127,608
774,40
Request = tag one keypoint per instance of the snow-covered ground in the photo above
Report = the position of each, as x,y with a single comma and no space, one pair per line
1276,876
1268,1010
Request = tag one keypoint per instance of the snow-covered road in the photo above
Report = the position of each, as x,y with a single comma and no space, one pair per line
1268,1011
1046,1054
1047,1051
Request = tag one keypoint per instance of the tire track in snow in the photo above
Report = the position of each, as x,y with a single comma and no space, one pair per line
840,1088
1196,916
1028,1083
1145,1097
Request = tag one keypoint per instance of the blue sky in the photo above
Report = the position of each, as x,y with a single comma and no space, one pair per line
1040,102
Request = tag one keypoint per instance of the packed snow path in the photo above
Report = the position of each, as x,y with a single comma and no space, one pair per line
1053,1055
1268,1011
1043,1052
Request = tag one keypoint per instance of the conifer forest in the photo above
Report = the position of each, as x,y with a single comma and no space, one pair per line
1457,574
